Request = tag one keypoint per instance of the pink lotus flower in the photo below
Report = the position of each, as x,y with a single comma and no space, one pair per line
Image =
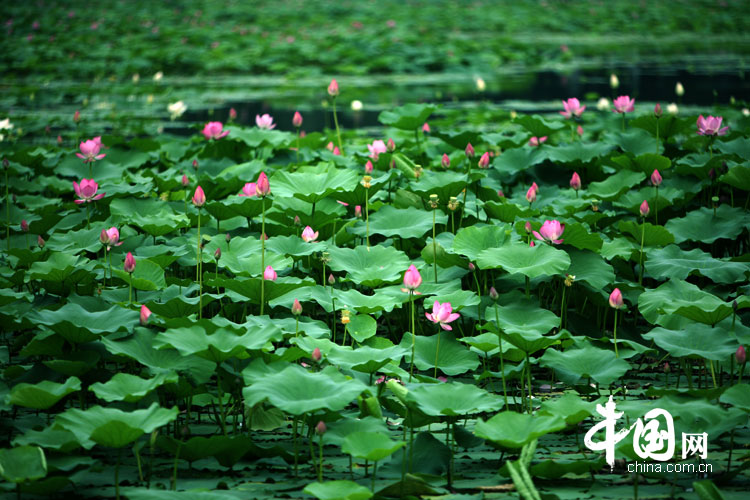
232,112
86,191
77,116
199,198
320,429
376,148
615,299
484,160
333,88
129,264
469,151
531,195
572,108
40,241
550,232
336,151
24,226
531,244
656,178
217,254
426,128
711,125
579,131
213,130
535,187
644,209
145,313
368,167
297,120
537,141
657,110
249,189
185,181
110,238
442,314
624,104
308,235
296,308
412,278
575,181
331,279
493,294
740,355
358,211
445,161
265,122
269,274
90,150
262,187
390,145
527,227
329,146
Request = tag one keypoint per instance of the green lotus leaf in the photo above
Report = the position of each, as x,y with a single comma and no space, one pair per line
370,445
578,236
591,268
130,388
684,299
453,357
540,260
250,287
341,489
74,242
228,450
618,247
454,399
523,317
673,262
443,184
652,235
62,268
517,160
473,240
74,363
538,126
179,306
364,359
222,344
407,117
49,438
140,347
633,140
578,151
148,275
702,225
668,196
615,185
509,429
669,124
738,396
246,206
646,163
23,463
570,407
458,138
504,211
529,342
405,223
572,365
42,395
293,246
737,176
153,216
695,341
361,327
739,147
112,427
370,266
256,137
297,391
78,324
337,431
312,185
243,256
153,494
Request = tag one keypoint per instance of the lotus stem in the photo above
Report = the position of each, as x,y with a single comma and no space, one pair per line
713,373
562,307
434,245
528,293
623,122
572,132
219,392
640,260
296,327
296,444
413,335
320,459
502,357
367,216
198,269
297,160
437,350
174,469
528,382
374,473
656,207
130,289
117,474
615,334
263,252
657,135
336,122
88,217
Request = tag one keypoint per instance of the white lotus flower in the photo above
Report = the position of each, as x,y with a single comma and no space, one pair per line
176,109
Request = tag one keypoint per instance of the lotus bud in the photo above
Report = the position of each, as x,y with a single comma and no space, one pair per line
679,89
217,254
657,110
316,355
331,279
575,181
232,114
527,226
199,198
615,299
368,167
426,128
104,237
77,116
296,308
412,278
666,367
500,193
614,82
472,267
228,238
59,139
535,187
711,174
734,306
185,181
145,313
579,131
391,146
320,429
297,120
484,160
644,209
195,164
333,88
129,264
531,195
308,235
656,178
24,226
269,274
358,211
445,161
262,187
493,294
469,150
40,241
740,354
532,244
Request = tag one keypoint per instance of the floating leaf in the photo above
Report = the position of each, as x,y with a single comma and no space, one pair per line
42,395
509,429
370,445
370,266
24,463
702,225
694,341
341,489
573,365
520,258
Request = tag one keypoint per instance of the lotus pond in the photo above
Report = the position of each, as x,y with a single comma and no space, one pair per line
456,301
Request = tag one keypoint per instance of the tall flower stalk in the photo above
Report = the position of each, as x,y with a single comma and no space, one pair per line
366,183
412,280
442,314
129,267
333,91
656,182
434,205
262,189
644,209
494,296
616,302
199,199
